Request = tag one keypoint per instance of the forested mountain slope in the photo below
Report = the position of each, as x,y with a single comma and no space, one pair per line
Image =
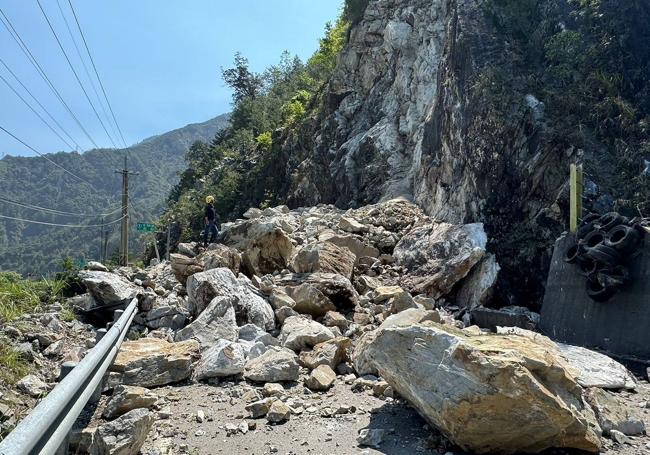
473,109
39,249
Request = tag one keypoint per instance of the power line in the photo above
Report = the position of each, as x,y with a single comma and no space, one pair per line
25,49
57,212
83,89
34,111
92,61
40,104
45,157
85,67
62,225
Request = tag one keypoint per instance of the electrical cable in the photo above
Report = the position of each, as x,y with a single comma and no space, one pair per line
85,67
35,111
92,61
78,148
28,53
83,89
57,212
62,225
46,158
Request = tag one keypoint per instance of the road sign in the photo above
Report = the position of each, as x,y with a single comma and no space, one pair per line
145,227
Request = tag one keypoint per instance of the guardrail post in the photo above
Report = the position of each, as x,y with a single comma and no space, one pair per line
66,368
117,314
100,334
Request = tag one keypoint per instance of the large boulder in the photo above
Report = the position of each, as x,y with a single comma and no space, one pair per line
124,435
250,306
323,257
151,362
264,244
439,255
487,393
335,287
216,322
275,365
165,316
300,333
184,267
615,415
353,243
220,256
108,288
223,359
127,398
331,353
308,299
594,369
477,289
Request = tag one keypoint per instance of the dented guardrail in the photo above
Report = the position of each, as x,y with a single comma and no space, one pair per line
45,430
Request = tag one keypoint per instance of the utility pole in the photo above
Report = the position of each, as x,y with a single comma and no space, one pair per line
101,243
124,232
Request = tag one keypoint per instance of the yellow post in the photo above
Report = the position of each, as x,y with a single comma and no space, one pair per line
575,197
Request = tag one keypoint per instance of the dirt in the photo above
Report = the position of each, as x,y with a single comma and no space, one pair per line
314,433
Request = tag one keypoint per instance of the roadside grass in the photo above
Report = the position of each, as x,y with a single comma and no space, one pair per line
19,296
12,365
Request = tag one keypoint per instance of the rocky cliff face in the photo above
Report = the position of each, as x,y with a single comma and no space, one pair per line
432,100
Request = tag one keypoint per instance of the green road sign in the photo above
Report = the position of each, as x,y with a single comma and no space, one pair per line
145,227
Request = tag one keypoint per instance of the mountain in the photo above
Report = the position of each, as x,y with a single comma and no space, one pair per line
39,249
474,110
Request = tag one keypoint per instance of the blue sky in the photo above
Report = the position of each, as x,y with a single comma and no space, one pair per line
159,60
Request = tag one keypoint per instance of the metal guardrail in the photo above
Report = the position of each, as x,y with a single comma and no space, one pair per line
45,430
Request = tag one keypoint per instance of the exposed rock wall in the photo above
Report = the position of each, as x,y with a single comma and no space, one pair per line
413,110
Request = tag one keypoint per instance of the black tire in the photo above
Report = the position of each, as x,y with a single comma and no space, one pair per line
589,219
572,254
598,292
614,278
593,239
587,266
604,254
610,220
623,239
584,230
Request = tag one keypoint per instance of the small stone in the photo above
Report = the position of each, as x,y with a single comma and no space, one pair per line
619,437
231,429
260,408
371,437
272,389
243,427
321,378
278,413
32,386
200,416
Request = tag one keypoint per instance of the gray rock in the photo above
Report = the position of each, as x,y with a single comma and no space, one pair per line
223,359
439,255
250,307
96,266
108,288
124,435
283,313
299,333
309,300
597,370
216,322
275,365
337,288
128,398
166,317
613,415
371,437
259,408
512,316
33,386
323,257
477,288
278,413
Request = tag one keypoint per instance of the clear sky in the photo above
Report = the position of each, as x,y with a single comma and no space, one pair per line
159,60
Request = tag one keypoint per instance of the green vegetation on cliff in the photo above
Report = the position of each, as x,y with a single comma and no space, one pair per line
239,167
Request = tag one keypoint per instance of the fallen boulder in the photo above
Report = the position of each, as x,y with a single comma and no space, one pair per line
184,267
275,365
299,333
250,307
337,288
512,316
597,370
223,359
108,288
614,415
321,378
331,353
127,398
124,435
477,288
220,256
323,257
309,300
151,362
437,256
479,390
216,322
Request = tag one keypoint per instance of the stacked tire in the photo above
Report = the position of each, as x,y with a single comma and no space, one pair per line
603,248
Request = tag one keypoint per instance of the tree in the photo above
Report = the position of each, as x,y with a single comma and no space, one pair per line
242,80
